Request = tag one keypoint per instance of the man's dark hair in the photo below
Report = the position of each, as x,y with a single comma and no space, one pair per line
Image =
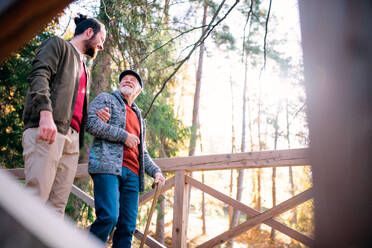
83,23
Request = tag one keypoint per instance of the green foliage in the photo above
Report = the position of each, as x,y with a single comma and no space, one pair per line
13,87
223,38
138,31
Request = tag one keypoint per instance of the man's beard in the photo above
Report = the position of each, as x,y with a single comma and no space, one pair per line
125,90
90,50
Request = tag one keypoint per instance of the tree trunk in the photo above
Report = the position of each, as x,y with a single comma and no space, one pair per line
233,148
290,171
273,176
240,181
195,112
257,198
101,68
204,228
159,233
166,12
199,72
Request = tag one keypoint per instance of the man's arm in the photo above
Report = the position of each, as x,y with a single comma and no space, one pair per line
98,127
44,66
152,169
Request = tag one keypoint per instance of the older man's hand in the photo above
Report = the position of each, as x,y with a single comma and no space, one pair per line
104,114
159,178
131,141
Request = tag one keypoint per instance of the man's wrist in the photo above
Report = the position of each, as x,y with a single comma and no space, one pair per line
45,114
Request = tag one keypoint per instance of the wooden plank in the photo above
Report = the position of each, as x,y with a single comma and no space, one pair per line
150,241
180,211
169,183
18,173
251,212
22,19
38,219
82,170
337,42
246,160
82,195
279,209
262,159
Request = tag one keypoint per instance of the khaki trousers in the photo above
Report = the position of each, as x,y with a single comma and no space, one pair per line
50,168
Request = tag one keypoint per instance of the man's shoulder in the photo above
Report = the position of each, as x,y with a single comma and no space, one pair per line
55,42
104,96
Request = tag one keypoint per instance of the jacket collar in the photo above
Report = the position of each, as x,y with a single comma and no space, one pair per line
122,100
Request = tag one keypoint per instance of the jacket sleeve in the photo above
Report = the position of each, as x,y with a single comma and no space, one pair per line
44,67
100,129
150,167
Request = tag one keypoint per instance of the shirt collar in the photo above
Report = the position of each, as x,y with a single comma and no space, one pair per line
80,54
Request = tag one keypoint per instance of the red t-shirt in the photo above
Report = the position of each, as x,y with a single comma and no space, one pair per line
79,103
130,156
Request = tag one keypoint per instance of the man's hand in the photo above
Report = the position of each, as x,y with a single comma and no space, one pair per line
47,127
131,141
104,114
159,178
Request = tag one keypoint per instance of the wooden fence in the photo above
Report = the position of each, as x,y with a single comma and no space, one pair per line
182,181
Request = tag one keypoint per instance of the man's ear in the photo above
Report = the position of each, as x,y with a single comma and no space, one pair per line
138,91
89,33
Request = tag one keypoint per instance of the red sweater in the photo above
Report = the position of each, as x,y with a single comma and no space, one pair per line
130,156
79,104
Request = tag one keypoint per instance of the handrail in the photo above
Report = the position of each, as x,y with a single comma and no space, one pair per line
181,182
244,160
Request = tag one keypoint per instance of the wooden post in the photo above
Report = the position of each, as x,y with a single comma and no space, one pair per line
180,211
337,42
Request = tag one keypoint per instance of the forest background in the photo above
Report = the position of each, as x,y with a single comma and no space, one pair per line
220,77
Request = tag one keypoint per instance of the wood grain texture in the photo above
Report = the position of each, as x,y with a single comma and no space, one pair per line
180,211
260,218
22,19
251,212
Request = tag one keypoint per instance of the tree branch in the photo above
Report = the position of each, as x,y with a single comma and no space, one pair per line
169,41
203,36
245,26
266,28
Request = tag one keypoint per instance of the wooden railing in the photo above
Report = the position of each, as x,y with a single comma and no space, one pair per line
181,183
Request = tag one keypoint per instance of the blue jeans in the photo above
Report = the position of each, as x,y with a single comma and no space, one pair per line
116,203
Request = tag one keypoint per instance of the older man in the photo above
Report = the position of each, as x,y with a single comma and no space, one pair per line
118,160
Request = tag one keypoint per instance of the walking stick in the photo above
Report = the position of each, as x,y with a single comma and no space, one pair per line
154,201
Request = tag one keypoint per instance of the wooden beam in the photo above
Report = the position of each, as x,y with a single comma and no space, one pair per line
279,209
150,241
82,170
336,39
149,194
245,160
180,211
251,212
36,218
79,193
22,19
18,173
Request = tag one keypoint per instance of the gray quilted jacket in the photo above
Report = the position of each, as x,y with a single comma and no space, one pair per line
106,154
